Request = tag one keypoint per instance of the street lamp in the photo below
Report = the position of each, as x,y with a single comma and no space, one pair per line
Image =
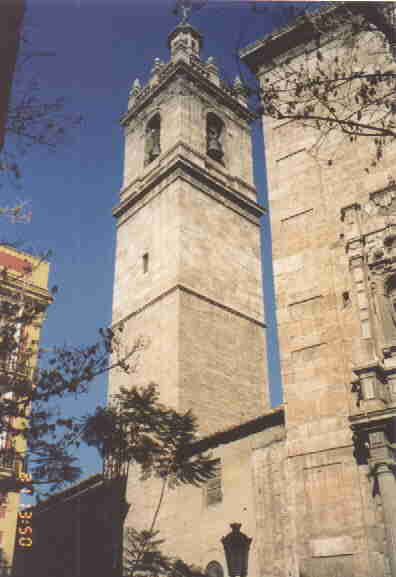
236,548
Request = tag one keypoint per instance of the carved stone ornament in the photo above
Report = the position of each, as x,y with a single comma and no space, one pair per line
184,86
136,87
383,302
382,202
370,243
157,66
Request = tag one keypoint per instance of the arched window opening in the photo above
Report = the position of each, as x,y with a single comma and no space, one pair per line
214,137
214,569
153,138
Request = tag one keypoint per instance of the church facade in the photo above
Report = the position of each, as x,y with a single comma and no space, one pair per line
312,482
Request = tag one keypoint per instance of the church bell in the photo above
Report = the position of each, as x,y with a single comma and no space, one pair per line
214,148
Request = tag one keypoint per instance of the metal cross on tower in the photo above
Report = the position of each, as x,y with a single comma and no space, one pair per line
184,7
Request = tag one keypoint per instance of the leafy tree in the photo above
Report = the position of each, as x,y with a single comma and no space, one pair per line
143,557
137,430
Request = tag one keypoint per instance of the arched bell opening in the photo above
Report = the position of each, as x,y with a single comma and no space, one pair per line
214,137
153,138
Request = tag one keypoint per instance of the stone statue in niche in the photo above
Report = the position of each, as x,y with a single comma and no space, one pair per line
375,255
384,308
214,131
391,298
153,135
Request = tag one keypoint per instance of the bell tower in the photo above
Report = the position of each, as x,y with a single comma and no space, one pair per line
188,260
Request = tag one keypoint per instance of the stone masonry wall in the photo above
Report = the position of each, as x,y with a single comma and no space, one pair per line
193,529
338,526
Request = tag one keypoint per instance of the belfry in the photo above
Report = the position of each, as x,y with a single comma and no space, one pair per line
188,264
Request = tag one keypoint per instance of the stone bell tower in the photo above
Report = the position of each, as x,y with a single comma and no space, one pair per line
188,262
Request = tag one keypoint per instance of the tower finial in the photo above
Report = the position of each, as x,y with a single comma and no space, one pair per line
184,6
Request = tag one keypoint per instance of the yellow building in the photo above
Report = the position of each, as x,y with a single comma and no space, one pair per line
23,282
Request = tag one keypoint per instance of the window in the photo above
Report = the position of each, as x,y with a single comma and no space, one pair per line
213,488
145,262
153,139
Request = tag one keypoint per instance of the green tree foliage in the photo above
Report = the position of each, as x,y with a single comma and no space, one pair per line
143,558
137,428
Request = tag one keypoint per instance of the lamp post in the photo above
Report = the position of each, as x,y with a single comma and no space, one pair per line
236,548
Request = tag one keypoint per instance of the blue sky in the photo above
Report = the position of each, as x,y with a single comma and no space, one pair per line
99,48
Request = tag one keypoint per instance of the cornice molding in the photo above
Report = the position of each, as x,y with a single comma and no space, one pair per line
372,418
18,286
185,150
296,36
181,167
272,418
